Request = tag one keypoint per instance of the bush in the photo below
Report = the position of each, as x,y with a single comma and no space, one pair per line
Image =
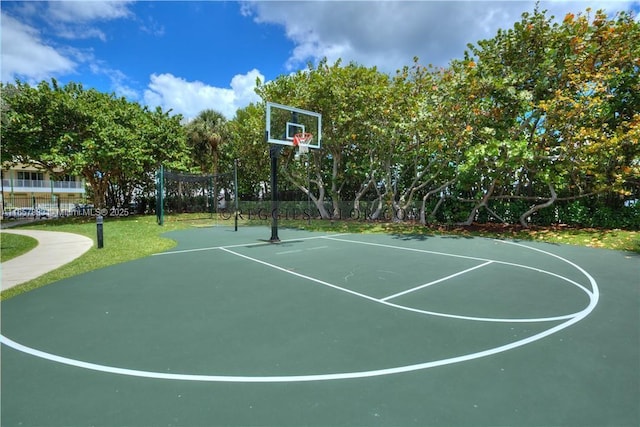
594,213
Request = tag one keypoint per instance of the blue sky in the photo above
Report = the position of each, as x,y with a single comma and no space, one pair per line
191,55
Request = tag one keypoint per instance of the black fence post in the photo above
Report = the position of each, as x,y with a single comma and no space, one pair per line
99,224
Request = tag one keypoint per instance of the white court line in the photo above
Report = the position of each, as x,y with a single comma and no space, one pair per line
287,252
451,276
294,251
245,245
302,276
512,264
402,248
415,310
595,292
594,296
293,378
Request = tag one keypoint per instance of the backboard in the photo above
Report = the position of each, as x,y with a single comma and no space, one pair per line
283,122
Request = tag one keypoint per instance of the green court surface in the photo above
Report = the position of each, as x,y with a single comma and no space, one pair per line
329,329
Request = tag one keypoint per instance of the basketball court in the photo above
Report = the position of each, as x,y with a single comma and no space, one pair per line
327,329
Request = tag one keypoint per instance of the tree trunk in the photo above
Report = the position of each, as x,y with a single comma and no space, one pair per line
99,186
536,208
481,203
380,201
437,206
335,192
423,207
376,214
318,201
361,192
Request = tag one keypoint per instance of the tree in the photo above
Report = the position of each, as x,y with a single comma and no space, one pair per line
206,135
433,122
71,130
248,146
557,109
352,101
541,113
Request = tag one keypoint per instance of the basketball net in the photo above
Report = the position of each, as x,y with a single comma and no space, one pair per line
302,141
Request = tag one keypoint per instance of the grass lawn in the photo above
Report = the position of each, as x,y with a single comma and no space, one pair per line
125,239
13,245
129,238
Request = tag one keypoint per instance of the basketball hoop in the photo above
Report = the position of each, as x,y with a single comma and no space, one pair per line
302,141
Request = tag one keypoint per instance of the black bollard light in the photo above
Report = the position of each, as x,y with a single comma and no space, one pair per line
99,223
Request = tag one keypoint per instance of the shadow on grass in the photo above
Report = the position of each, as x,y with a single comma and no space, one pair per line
624,240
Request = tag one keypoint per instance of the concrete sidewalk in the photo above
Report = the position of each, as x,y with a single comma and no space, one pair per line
54,250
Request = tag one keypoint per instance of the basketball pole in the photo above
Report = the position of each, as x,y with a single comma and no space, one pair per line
274,153
309,186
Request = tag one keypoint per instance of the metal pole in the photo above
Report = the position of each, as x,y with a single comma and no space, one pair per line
309,187
274,152
213,197
160,196
2,184
235,190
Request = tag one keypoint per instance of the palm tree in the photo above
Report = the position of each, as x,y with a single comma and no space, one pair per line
206,134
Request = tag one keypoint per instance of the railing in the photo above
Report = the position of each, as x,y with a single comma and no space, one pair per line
16,206
40,184
68,184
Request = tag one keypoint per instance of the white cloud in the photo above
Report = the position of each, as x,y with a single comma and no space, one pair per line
151,26
388,34
86,11
190,98
26,56
76,20
118,80
79,32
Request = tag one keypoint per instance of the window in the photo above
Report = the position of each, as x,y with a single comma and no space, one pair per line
31,176
30,179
